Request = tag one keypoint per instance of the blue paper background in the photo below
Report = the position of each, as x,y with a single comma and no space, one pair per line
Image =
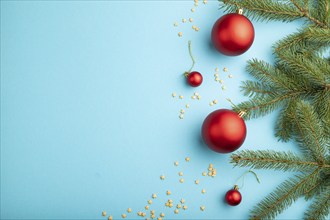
87,118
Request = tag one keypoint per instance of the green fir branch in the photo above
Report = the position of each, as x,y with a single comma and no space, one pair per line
283,127
269,159
284,195
320,208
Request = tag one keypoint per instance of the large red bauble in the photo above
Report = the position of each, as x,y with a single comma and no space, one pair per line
233,197
224,131
233,34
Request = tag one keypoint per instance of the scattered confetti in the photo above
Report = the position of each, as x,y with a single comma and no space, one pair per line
181,180
182,201
173,94
162,177
162,215
110,217
180,34
104,213
187,159
123,215
176,24
181,116
205,2
193,97
187,105
211,104
203,191
202,208
192,10
181,97
197,29
221,81
225,69
191,20
168,192
180,173
215,101
129,210
176,211
178,206
154,196
146,207
196,4
182,111
196,94
196,182
199,97
193,27
204,173
185,207
216,74
159,218
149,201
223,87
176,163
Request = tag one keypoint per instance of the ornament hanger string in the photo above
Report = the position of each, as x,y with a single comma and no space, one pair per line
243,176
192,58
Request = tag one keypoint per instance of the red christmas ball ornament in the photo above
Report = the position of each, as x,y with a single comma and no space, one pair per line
233,34
194,79
233,197
224,131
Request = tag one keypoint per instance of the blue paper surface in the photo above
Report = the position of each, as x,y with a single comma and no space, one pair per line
88,122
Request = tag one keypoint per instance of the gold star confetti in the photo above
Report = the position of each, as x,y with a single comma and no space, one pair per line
221,81
181,97
176,211
154,196
180,34
104,213
192,10
196,182
182,111
149,201
170,205
187,159
187,105
204,173
162,215
162,177
181,180
173,94
202,208
197,29
110,217
176,163
196,1
215,101
211,104
182,201
123,215
181,116
146,207
205,2
178,206
230,76
180,173
129,210
159,218
223,87
216,79
193,27
225,69
191,20
153,216
193,97
216,74
152,212
168,192
199,97
203,191
185,207
176,24
184,20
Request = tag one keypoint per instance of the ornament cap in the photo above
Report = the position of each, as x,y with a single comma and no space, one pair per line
241,113
236,187
240,11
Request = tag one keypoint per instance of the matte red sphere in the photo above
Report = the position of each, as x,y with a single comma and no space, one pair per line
233,197
232,34
224,131
194,79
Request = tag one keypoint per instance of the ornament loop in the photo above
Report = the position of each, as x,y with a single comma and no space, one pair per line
241,113
240,11
243,176
192,58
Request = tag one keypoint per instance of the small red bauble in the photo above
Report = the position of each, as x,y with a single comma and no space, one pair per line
224,131
194,78
233,34
233,197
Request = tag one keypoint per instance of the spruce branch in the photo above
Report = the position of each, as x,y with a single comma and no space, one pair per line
284,195
320,208
269,159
